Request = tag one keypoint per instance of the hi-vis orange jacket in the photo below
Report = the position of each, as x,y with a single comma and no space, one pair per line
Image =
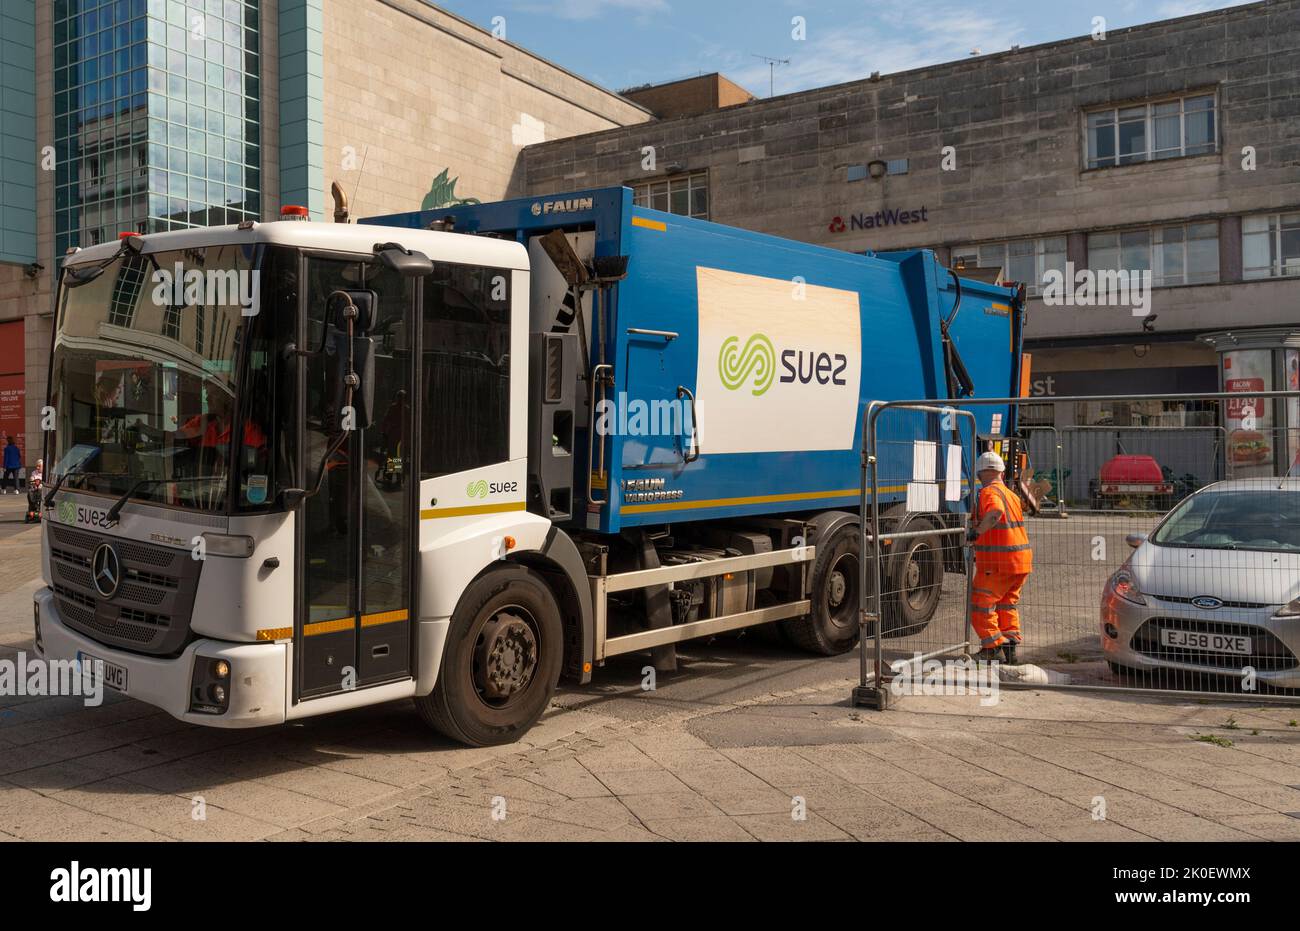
1004,547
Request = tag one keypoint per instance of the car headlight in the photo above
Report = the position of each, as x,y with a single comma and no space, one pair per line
1291,609
1125,586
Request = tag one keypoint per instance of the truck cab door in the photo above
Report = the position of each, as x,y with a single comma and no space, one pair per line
356,538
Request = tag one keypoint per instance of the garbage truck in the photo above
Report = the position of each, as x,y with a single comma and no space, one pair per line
457,455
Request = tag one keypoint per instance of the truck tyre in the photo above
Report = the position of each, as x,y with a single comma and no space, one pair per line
913,580
501,661
832,626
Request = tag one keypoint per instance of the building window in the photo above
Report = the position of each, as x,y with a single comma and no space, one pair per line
1270,245
1171,128
896,166
126,292
1174,255
1026,260
157,110
684,195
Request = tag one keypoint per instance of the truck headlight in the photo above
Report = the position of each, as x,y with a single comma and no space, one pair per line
210,686
1125,586
1291,609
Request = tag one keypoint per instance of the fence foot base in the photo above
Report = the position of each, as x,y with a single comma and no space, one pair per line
870,696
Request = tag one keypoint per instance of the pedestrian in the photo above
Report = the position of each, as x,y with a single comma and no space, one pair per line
13,461
35,478
1003,561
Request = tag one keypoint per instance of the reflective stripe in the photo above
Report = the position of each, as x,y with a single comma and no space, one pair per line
1006,607
976,609
1001,549
983,591
991,641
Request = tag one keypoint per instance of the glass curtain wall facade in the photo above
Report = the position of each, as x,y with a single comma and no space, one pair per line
157,114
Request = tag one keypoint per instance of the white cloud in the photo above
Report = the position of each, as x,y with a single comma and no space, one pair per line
1172,9
591,9
851,52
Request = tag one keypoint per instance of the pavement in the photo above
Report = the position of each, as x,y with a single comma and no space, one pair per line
749,741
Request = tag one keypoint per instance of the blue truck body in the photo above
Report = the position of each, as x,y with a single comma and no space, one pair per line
781,343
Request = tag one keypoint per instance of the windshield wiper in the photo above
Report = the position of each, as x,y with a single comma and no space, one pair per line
75,470
116,509
77,275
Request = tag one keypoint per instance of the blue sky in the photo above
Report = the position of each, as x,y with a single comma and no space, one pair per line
621,43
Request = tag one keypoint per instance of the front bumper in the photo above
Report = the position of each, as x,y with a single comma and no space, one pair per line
258,679
1275,641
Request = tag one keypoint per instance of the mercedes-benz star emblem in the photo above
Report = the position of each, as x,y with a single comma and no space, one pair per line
106,570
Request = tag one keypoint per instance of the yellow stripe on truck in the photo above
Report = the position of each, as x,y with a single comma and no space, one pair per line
757,499
650,224
734,502
384,617
472,510
328,627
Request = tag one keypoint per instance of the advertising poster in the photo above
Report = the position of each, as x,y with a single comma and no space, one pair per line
1249,420
13,391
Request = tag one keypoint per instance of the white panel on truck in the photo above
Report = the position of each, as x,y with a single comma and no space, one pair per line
780,364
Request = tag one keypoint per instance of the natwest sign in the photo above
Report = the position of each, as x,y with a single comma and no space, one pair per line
881,218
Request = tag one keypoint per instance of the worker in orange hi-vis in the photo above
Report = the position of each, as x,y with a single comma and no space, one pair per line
1003,561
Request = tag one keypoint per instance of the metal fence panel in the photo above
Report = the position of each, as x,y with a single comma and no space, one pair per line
1209,605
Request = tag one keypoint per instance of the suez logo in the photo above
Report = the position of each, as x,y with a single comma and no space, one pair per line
572,205
755,365
481,488
69,512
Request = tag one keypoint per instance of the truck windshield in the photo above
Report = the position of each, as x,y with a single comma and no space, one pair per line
144,377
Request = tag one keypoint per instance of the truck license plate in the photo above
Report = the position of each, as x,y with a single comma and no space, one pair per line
1214,643
114,675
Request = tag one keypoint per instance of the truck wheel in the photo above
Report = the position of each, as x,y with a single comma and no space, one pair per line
913,581
501,662
832,626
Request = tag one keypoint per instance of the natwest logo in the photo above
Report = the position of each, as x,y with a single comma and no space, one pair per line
879,219
570,205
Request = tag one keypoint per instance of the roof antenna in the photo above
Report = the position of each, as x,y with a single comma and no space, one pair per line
360,172
771,64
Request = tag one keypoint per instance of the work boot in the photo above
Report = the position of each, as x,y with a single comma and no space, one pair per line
988,655
1009,653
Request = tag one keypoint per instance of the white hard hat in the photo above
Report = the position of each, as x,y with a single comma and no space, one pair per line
990,460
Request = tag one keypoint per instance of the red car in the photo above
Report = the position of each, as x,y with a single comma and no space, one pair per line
1128,477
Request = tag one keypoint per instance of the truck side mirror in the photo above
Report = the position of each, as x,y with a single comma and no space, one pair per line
406,262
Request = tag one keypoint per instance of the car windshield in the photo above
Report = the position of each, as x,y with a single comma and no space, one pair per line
1255,518
143,386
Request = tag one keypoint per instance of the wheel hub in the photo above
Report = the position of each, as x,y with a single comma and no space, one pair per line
836,587
505,656
913,573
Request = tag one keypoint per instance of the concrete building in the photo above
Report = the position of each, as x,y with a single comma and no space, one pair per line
1171,148
689,96
149,115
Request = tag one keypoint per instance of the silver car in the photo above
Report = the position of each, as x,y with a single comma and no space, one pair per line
1214,589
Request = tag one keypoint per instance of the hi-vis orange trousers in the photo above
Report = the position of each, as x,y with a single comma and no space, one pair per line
993,613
